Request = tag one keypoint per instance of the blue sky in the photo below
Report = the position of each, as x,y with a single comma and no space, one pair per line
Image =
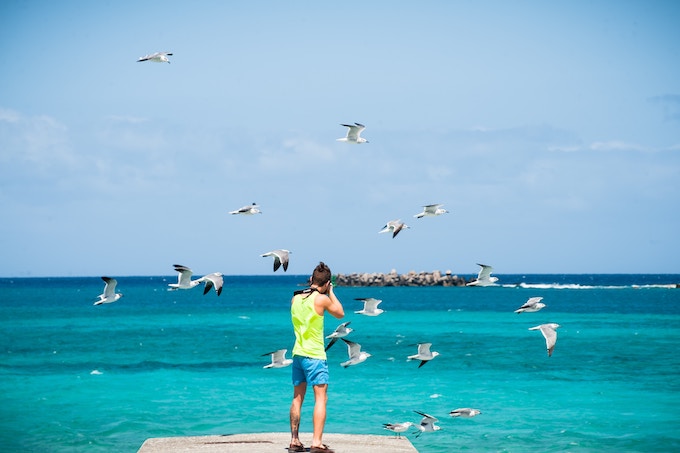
549,130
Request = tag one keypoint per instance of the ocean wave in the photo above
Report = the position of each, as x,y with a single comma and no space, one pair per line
581,286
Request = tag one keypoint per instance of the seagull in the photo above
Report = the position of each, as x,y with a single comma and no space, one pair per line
398,428
341,331
213,280
427,423
484,277
424,354
464,412
395,226
109,295
248,210
531,305
431,210
279,359
550,334
158,57
356,355
353,134
370,306
184,280
280,258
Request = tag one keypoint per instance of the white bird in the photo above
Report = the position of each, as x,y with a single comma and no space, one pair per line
184,280
370,306
247,210
484,277
431,210
531,305
395,226
158,57
109,295
427,423
353,134
424,354
280,258
398,428
341,331
464,412
214,280
279,359
550,334
356,355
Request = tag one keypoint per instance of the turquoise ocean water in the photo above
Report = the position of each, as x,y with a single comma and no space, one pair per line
81,378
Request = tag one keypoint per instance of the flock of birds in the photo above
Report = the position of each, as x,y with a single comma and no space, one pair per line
355,354
424,353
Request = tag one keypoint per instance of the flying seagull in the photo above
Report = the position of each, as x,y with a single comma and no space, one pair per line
395,226
531,305
353,134
158,57
280,258
427,423
356,355
484,277
109,295
184,280
247,210
550,334
341,331
214,280
279,359
431,210
398,428
370,306
424,354
464,412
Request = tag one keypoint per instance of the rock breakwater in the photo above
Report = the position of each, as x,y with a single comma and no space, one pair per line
435,278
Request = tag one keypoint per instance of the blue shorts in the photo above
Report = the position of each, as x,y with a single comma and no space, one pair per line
311,371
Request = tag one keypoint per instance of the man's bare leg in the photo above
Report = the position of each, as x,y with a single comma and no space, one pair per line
319,418
295,409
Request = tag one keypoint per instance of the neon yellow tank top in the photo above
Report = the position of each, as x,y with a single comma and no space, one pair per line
308,327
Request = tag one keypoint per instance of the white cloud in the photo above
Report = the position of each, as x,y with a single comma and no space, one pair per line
295,154
616,145
40,142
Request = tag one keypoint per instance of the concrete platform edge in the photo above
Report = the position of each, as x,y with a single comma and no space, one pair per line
276,443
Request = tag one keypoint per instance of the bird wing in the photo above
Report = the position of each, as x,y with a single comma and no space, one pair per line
424,349
353,349
279,356
371,304
354,131
283,258
532,301
110,287
550,335
398,227
208,286
184,277
431,208
213,280
484,272
150,56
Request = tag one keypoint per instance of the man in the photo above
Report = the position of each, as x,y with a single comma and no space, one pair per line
309,358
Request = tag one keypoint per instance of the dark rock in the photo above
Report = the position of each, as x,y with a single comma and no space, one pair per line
435,278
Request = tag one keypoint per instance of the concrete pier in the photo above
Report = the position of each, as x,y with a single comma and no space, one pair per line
276,443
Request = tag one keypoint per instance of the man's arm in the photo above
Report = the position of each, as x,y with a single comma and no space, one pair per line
330,303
